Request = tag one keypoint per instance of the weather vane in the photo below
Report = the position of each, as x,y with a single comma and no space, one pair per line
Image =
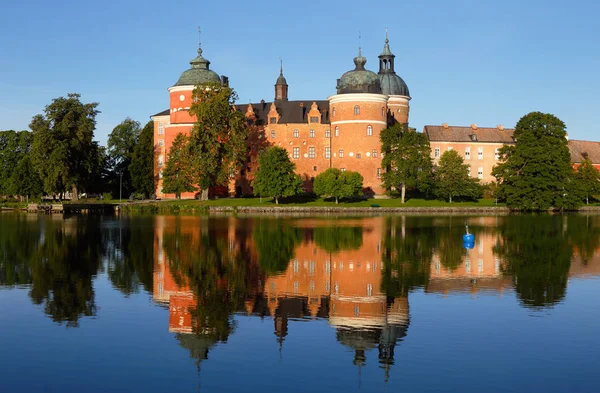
280,65
199,37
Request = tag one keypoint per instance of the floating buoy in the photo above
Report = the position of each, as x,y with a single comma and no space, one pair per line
468,238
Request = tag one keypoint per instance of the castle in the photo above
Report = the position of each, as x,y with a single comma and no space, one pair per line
340,132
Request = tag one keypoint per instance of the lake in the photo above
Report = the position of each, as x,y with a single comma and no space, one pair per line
296,304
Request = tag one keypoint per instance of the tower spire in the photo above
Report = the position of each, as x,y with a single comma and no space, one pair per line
281,86
280,65
359,47
199,39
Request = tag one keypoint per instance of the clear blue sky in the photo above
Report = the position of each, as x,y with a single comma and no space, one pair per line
465,61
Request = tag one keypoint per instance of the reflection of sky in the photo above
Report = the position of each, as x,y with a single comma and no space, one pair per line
460,342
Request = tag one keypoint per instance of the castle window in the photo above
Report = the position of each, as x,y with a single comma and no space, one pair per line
296,134
379,173
161,129
314,119
341,153
468,153
327,133
315,168
272,133
328,152
311,152
480,153
160,161
357,155
312,133
272,120
480,172
369,130
333,112
357,110
342,170
296,153
337,131
374,154
382,111
369,289
437,152
161,142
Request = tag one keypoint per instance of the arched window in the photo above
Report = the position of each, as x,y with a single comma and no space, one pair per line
333,112
337,131
357,110
382,111
369,130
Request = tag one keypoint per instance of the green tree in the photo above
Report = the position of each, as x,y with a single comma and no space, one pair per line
589,179
337,184
14,148
218,139
142,162
407,159
452,179
25,180
177,176
62,144
121,144
533,173
275,176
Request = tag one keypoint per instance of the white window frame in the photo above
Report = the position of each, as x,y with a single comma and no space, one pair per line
311,152
480,153
296,153
468,153
369,130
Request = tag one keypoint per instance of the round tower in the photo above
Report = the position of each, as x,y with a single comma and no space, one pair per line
393,85
358,114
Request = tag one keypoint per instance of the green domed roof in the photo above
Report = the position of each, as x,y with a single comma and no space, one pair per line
198,73
359,80
393,85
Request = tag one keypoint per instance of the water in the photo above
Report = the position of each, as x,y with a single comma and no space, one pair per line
224,304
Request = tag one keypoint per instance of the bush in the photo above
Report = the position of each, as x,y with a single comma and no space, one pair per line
107,196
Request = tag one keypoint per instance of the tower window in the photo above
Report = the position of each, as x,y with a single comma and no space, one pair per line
357,155
341,153
161,142
296,134
382,111
314,119
333,112
296,153
369,130
357,110
272,120
311,152
161,128
327,133
337,131
312,133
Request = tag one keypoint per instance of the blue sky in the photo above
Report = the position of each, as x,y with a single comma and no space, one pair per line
465,61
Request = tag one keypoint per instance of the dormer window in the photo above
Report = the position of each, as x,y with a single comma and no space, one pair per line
314,119
473,137
272,120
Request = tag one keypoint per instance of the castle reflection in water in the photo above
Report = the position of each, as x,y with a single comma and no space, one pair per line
355,272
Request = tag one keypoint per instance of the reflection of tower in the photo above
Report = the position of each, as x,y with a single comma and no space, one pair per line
281,328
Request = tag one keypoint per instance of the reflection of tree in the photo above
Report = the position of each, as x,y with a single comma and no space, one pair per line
276,241
449,242
19,239
333,239
130,260
584,235
62,269
538,255
408,244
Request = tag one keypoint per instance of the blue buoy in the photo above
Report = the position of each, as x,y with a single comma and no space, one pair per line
468,238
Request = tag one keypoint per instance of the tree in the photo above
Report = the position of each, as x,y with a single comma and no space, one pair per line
275,176
25,181
589,179
452,178
407,159
533,173
121,144
62,143
177,176
218,139
338,184
142,162
14,148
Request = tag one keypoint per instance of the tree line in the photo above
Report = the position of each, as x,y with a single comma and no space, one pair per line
59,155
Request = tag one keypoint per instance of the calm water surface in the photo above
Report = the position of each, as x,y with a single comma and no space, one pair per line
224,304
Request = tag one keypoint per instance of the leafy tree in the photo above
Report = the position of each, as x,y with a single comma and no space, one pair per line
142,162
218,139
177,176
275,176
338,184
25,180
589,179
15,147
452,179
121,144
407,159
276,241
62,143
534,172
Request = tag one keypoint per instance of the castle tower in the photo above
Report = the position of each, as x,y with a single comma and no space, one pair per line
281,86
358,114
392,85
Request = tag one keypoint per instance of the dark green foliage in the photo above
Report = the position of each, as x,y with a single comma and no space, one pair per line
538,255
452,180
218,140
333,239
588,178
535,174
121,144
177,176
276,176
62,150
276,241
17,175
25,180
337,184
406,160
142,162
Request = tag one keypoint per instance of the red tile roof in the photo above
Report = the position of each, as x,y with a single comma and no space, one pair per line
469,134
579,149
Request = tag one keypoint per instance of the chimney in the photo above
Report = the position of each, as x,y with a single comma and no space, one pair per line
474,126
567,136
500,127
445,125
